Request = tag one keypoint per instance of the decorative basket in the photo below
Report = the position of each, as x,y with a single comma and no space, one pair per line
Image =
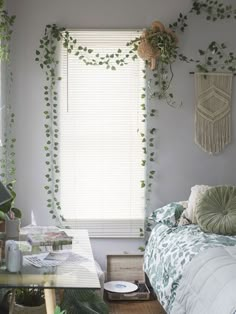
21,309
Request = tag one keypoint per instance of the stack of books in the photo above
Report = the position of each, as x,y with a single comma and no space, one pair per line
48,240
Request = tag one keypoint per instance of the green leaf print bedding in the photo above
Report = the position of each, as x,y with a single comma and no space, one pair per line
169,249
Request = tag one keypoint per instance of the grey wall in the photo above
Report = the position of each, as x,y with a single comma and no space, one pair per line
180,163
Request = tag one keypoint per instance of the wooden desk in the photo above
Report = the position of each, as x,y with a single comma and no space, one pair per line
78,271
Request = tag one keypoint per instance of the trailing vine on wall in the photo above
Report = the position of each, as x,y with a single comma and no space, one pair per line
6,24
47,58
214,10
163,52
7,160
7,151
216,58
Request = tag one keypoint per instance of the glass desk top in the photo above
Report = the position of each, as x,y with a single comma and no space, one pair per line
78,271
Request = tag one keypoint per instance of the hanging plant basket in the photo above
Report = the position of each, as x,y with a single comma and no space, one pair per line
158,43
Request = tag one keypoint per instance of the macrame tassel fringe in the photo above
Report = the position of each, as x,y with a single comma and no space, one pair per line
212,136
213,111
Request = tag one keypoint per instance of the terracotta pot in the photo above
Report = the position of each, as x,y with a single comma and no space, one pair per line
12,228
2,225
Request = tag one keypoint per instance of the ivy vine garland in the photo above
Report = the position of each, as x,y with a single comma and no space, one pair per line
6,24
161,41
7,160
216,57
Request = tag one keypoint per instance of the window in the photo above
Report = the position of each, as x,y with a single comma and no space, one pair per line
100,147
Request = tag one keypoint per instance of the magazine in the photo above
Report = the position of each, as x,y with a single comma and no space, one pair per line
47,259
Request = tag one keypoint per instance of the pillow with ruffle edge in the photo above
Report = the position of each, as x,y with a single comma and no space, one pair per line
216,211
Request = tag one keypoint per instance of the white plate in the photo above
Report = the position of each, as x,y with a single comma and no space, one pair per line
120,286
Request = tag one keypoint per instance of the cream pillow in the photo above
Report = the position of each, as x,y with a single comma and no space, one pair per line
183,203
184,220
195,196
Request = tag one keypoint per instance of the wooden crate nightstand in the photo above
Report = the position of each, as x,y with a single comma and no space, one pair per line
127,267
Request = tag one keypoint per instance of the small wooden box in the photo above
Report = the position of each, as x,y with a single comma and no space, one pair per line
129,268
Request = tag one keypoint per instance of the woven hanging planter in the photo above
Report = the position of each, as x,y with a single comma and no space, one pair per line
213,111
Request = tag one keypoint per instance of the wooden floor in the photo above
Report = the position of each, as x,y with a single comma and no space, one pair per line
135,307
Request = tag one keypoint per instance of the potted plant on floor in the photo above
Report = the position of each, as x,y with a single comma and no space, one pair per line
86,301
59,311
29,301
26,301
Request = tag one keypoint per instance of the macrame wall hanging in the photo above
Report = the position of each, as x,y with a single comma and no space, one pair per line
213,111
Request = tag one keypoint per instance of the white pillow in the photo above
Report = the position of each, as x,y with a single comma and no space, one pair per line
183,203
184,220
196,193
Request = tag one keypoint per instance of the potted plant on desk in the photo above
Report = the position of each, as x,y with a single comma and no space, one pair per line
9,213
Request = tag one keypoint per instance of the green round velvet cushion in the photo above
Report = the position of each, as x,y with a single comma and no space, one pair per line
216,210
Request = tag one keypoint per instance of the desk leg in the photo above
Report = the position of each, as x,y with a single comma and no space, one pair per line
12,301
50,300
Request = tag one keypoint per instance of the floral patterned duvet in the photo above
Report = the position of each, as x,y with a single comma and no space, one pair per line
169,249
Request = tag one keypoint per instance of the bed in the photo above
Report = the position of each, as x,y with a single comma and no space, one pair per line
192,271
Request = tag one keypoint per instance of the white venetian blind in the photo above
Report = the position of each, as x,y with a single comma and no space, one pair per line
100,148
